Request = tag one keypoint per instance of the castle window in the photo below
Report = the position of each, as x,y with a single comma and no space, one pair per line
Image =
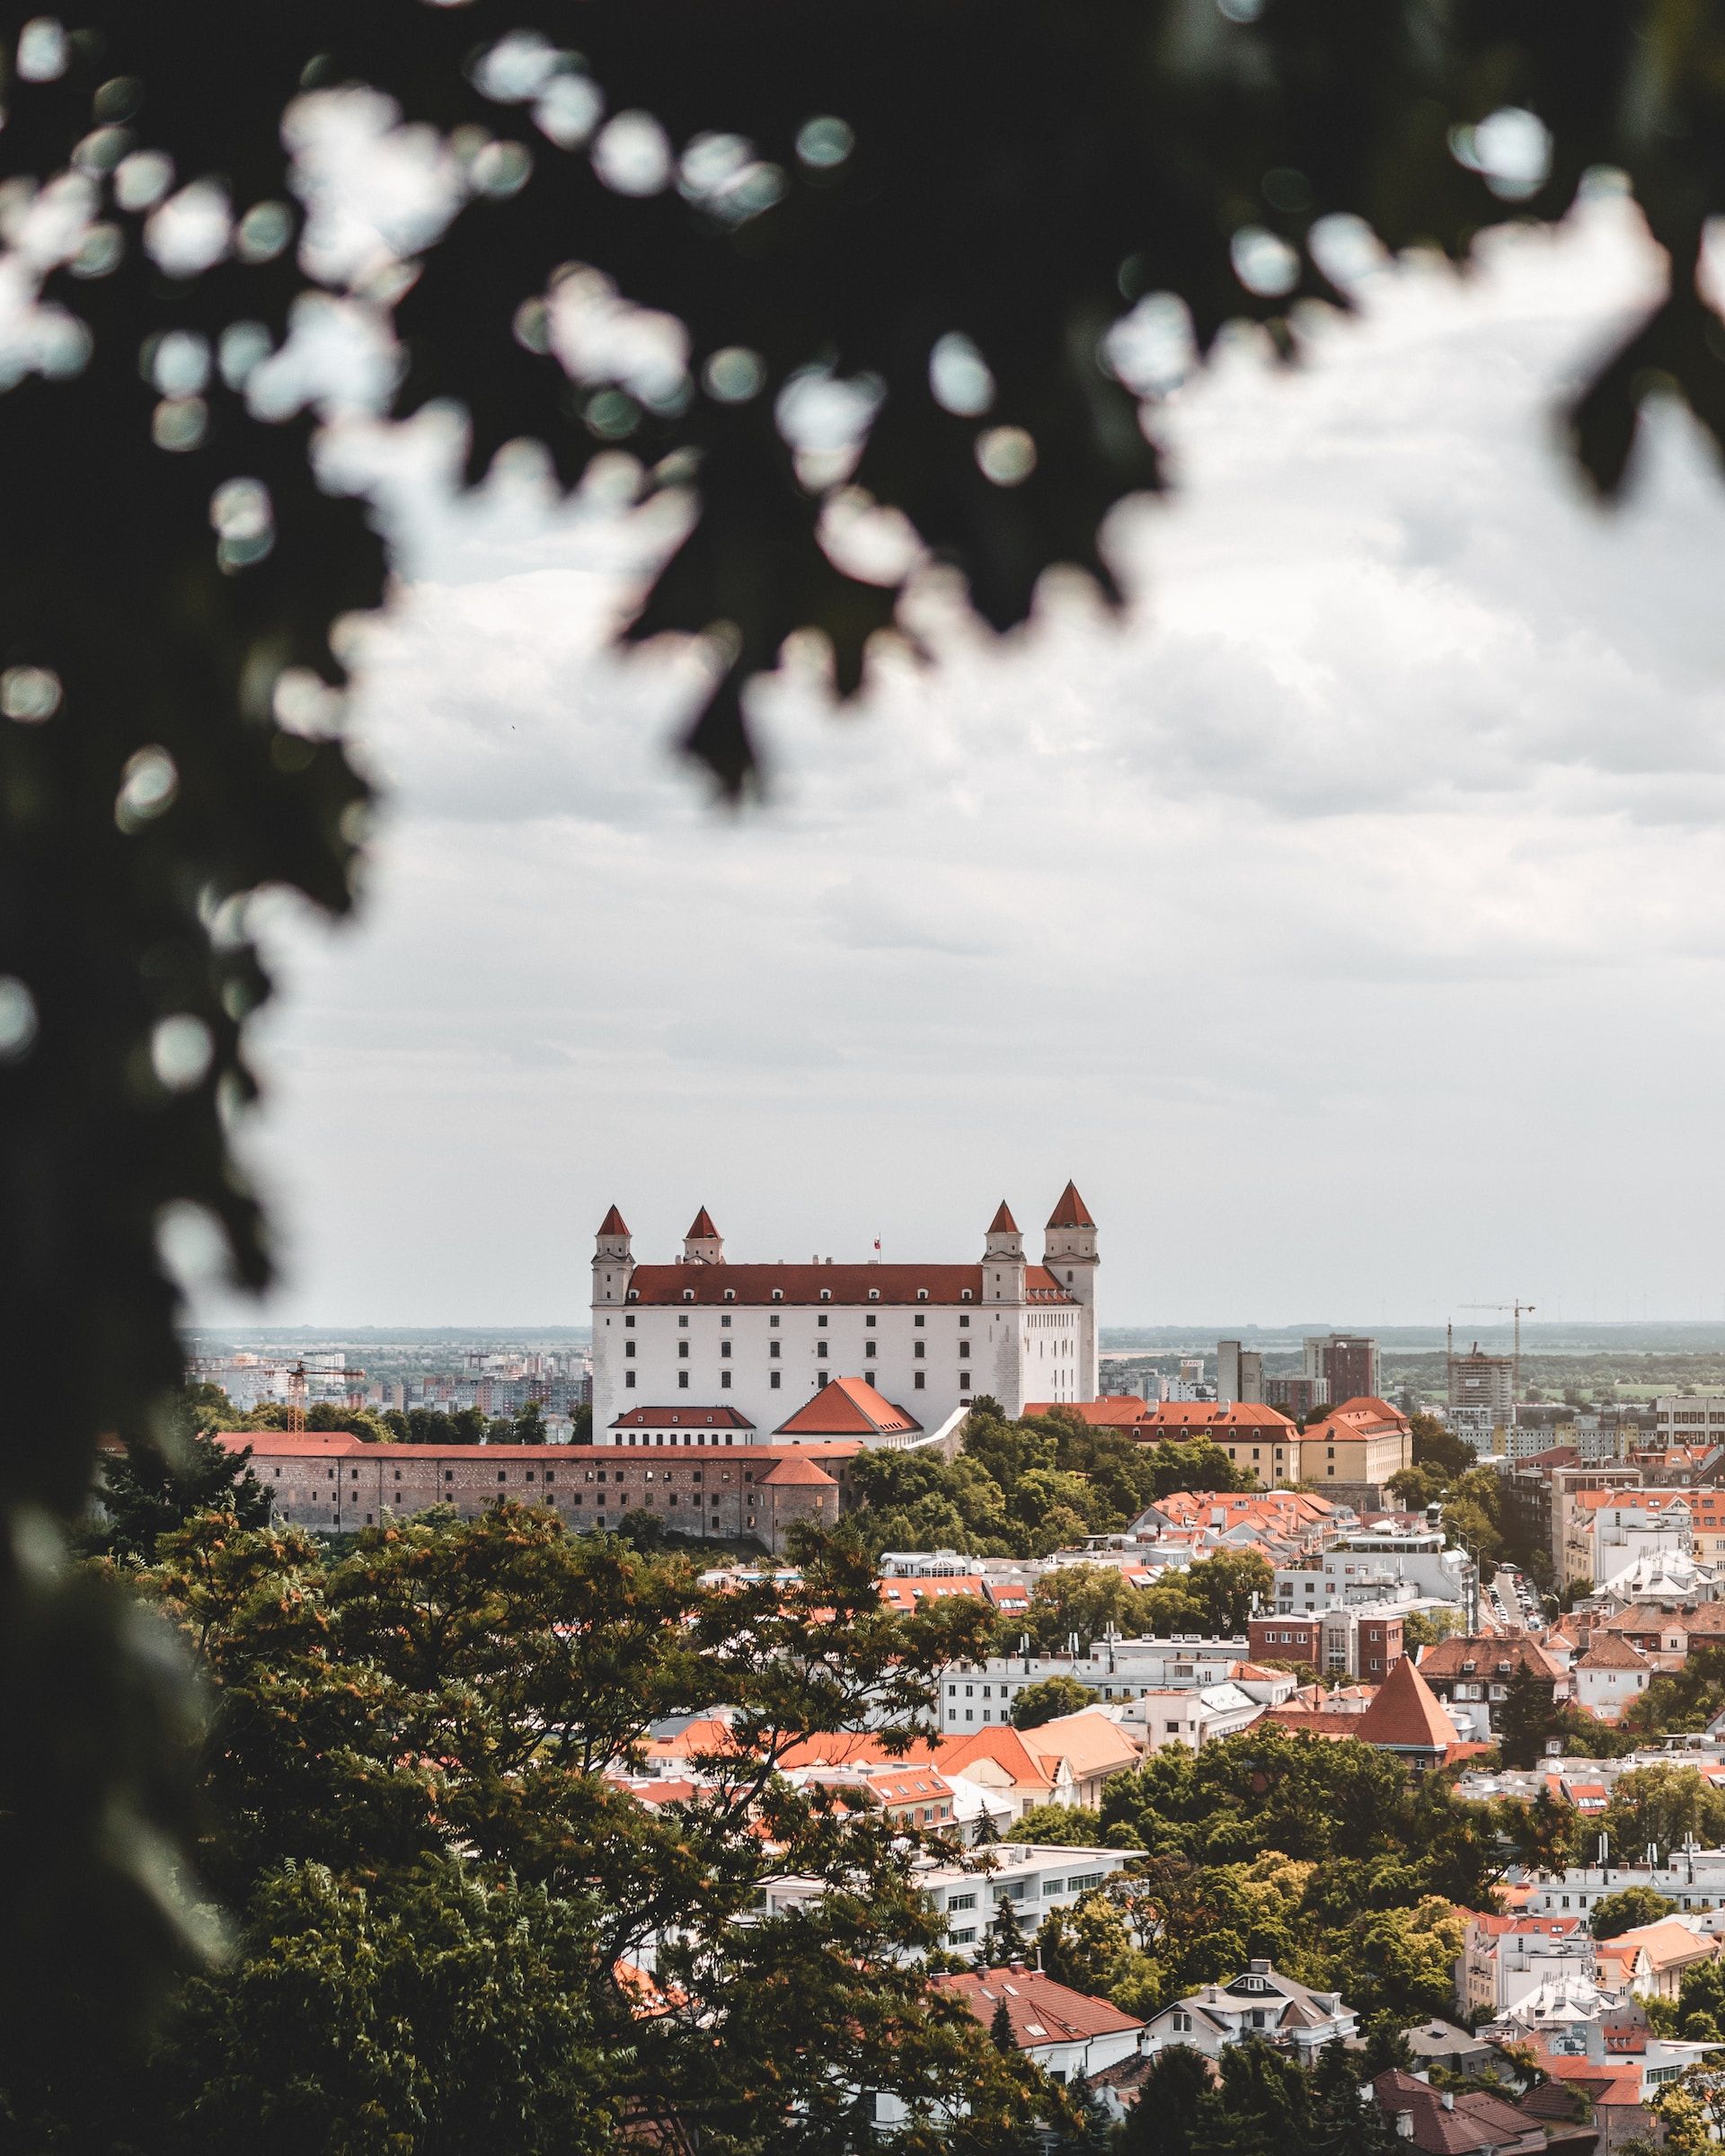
682,1380
629,1380
964,1294
821,1349
920,1349
688,1295
870,1348
627,1322
922,1321
964,1381
774,1348
635,1295
826,1295
683,1349
920,1380
725,1322
684,1323
773,1380
964,1323
871,1319
724,1347
778,1294
922,1295
874,1296
821,1319
628,1347
730,1295
724,1379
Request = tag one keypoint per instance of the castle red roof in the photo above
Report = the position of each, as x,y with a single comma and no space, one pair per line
860,1284
614,1223
1407,1715
1002,1224
681,1419
1071,1212
797,1470
849,1406
701,1225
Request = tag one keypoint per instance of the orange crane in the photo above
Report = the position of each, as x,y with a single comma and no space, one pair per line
296,1372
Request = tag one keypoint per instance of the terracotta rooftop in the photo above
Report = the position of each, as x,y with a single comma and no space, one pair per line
1609,1651
278,1444
680,1419
849,1406
1407,1715
796,1470
1457,2124
1112,1411
1487,1653
1041,2010
1215,1415
760,1285
614,1223
1002,1224
1071,1211
701,1227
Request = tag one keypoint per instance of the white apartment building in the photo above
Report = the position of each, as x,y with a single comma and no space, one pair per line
1694,1881
1689,1419
1120,1670
762,1340
1373,1565
1033,1876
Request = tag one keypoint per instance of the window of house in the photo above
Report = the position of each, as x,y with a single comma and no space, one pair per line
448,1474
628,1380
724,1381
920,1380
919,1347
773,1381
682,1380
821,1349
502,1474
688,1295
825,1296
724,1348
921,1296
963,1321
920,1319
871,1319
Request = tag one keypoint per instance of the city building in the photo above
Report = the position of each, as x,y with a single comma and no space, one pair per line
332,1481
1033,1876
1609,1676
1239,1372
1689,1419
1476,1672
1347,1364
1294,1393
1443,2122
764,1338
1260,2004
1481,1396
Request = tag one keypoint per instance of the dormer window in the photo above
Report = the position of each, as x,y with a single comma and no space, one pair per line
964,1294
826,1295
922,1295
688,1295
635,1295
730,1295
778,1294
874,1294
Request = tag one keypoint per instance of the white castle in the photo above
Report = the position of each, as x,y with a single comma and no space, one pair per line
703,1351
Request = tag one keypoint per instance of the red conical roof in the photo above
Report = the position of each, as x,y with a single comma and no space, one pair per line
1072,1211
614,1223
1002,1224
701,1225
1407,1714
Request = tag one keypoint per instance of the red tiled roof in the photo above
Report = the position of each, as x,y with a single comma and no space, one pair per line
1002,1224
848,1406
614,1223
281,1445
796,1470
1210,1414
1486,1651
680,1419
847,1283
1041,2010
1407,1714
1609,1650
1112,1411
701,1227
1454,2125
1071,1211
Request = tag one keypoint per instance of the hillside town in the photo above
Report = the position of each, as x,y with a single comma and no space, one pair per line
1529,1638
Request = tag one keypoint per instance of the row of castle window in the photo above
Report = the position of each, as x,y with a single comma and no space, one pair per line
919,1379
776,1349
590,1474
772,1322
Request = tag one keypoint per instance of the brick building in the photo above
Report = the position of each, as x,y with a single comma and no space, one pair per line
331,1480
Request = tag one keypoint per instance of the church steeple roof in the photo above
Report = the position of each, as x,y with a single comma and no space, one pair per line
1072,1211
1002,1224
614,1223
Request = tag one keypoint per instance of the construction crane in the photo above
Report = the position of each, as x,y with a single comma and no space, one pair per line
297,1373
1520,1309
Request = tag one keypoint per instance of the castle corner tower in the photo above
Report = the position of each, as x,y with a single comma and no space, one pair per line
703,1244
1069,1252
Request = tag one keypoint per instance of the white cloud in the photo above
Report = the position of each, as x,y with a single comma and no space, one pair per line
1349,923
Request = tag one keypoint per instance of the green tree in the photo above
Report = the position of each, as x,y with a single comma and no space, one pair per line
1163,2119
147,1490
1627,1909
1526,1718
1059,1825
1000,2030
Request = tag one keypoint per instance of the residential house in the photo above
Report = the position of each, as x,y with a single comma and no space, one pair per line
1191,1718
1067,2033
1407,1718
1034,1878
1649,1961
1443,2122
1258,2003
1609,1676
1504,1957
1475,1669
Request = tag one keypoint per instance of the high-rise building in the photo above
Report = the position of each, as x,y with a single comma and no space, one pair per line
1481,1395
1239,1372
1348,1362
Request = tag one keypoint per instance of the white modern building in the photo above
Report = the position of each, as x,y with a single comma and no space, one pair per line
1116,1671
763,1341
1032,1877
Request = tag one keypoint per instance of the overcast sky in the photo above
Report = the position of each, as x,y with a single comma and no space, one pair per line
1347,924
